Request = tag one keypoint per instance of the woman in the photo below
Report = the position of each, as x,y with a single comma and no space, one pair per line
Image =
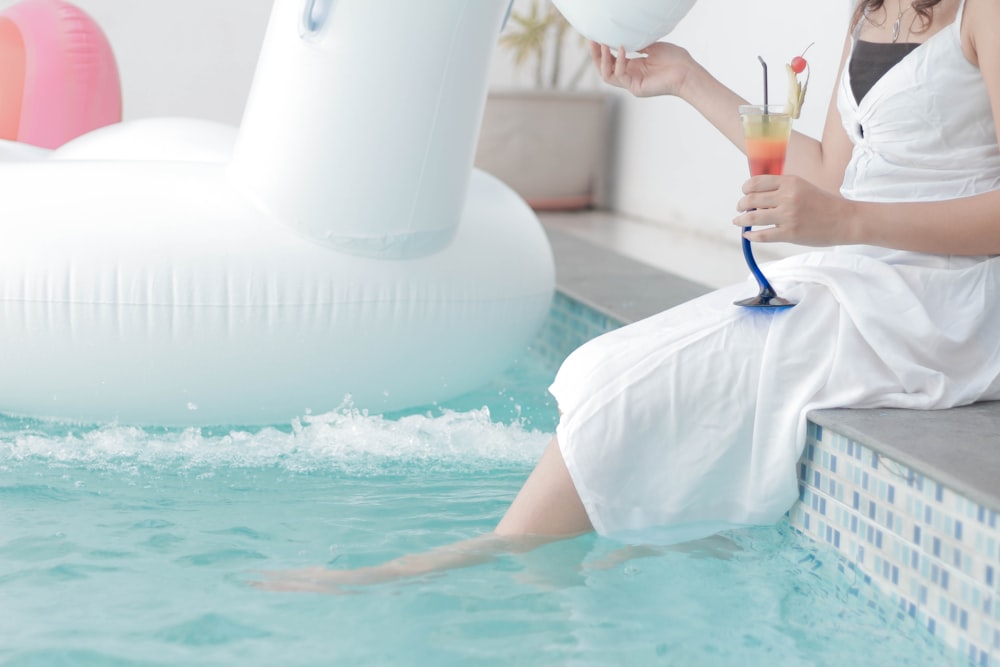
692,420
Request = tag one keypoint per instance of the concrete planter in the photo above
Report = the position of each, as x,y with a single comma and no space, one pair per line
550,146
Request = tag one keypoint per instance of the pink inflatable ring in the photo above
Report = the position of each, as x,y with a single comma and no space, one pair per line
58,76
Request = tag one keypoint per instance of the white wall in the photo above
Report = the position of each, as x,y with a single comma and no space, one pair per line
196,58
182,57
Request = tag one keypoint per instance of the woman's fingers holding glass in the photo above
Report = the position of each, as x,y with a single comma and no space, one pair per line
765,234
755,217
758,198
756,201
766,183
795,211
761,196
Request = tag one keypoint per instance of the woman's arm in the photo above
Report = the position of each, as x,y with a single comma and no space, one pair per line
967,226
668,69
804,214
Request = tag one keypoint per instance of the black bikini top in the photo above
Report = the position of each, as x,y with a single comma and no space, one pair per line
871,60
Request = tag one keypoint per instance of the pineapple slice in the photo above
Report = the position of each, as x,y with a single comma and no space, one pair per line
796,91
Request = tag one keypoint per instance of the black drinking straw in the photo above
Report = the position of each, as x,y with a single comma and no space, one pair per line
764,65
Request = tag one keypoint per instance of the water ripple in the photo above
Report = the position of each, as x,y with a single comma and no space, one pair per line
153,523
34,493
163,541
243,531
74,658
73,571
210,630
33,549
223,556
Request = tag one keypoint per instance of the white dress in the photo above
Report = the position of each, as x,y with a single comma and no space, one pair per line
693,420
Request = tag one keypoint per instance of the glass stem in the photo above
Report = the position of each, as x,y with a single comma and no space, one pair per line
765,287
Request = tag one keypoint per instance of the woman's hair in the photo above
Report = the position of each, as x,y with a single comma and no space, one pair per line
921,7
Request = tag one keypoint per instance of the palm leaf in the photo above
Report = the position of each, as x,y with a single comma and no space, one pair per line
528,36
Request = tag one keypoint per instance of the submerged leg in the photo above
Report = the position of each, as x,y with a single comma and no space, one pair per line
548,503
546,509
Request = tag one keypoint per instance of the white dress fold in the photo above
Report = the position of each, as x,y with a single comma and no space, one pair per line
693,420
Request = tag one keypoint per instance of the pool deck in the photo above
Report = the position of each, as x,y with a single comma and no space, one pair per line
959,448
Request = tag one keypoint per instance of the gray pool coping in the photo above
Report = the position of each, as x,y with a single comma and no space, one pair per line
959,447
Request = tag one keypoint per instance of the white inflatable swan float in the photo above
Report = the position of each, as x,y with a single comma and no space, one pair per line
337,245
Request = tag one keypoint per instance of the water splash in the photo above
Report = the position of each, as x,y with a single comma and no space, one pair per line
343,440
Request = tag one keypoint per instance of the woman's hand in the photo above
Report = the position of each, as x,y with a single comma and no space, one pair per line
662,71
795,211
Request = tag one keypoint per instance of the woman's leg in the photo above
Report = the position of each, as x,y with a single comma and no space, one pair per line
548,503
546,509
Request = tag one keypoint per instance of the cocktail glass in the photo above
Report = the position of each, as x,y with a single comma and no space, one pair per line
766,128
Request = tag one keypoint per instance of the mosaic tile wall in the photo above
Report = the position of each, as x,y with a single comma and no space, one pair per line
933,552
569,325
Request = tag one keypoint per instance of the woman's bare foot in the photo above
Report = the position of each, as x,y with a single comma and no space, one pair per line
466,553
546,509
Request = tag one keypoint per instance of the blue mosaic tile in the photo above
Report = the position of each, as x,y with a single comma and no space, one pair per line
933,551
569,325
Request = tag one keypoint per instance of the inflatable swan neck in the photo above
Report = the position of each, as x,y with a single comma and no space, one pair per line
362,144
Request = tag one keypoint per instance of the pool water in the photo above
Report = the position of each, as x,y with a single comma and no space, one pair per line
127,546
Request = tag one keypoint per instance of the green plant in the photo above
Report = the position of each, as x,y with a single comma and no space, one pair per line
539,36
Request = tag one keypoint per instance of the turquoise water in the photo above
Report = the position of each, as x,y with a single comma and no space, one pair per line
125,546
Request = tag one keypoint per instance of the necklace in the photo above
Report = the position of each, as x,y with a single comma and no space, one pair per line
899,19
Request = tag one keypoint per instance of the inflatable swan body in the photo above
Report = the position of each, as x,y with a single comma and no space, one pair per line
345,249
337,246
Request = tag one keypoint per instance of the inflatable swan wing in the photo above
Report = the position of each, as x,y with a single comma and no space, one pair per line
337,246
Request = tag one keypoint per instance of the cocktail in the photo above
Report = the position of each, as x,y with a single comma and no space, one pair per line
766,128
